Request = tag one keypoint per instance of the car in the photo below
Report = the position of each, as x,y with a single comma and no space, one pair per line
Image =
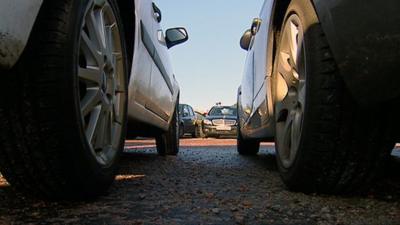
187,119
221,121
76,75
320,79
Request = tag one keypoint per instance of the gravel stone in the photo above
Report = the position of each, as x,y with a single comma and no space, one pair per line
207,183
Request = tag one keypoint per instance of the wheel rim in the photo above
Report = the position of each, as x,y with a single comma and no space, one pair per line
102,82
290,91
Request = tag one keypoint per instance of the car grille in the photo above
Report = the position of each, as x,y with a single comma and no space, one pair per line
218,122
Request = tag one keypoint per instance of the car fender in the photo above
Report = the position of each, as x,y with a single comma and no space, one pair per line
365,39
17,20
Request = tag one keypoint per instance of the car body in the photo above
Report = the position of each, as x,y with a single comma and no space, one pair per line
188,123
14,29
153,106
154,90
362,47
340,22
221,121
115,75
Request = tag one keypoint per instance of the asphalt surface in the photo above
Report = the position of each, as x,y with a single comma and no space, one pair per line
207,183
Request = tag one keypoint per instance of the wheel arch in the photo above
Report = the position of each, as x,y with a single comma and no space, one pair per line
127,13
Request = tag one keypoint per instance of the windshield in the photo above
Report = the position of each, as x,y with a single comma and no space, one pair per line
223,111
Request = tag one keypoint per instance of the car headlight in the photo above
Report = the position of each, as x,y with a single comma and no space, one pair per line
207,122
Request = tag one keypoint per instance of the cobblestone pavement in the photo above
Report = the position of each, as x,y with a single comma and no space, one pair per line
207,183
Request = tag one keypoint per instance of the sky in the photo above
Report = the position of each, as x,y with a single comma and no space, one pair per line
209,66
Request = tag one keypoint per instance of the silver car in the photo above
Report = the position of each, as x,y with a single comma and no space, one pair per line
77,75
321,80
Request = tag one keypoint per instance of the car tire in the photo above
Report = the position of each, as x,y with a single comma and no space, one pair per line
325,141
247,147
45,112
168,142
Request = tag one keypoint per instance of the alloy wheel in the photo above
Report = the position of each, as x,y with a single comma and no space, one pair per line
102,81
290,90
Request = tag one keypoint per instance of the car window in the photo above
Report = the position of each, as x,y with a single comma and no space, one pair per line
223,111
185,111
191,111
180,110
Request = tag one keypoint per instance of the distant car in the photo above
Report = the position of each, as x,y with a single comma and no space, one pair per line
321,79
77,75
187,120
221,121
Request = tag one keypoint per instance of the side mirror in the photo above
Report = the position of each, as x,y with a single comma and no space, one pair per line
246,39
176,36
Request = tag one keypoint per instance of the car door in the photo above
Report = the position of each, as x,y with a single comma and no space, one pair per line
187,119
139,86
246,91
192,119
263,58
162,78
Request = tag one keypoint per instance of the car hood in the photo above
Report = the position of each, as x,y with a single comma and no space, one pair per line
221,117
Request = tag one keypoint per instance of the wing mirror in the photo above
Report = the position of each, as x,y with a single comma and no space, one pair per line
246,39
176,36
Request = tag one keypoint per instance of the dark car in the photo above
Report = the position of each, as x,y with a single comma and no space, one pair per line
188,120
221,121
322,79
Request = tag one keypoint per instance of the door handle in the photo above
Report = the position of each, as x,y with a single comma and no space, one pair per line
160,36
157,13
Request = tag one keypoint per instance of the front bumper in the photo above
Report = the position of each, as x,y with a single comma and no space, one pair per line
214,131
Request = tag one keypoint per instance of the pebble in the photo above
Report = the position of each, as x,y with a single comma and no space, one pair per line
216,210
188,191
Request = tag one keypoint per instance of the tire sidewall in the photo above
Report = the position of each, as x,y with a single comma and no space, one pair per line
175,134
168,142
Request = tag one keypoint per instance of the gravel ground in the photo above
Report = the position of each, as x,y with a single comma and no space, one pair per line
208,183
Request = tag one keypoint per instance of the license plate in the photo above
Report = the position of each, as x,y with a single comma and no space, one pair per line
224,128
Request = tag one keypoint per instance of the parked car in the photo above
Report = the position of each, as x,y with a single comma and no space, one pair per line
220,121
75,74
321,78
187,123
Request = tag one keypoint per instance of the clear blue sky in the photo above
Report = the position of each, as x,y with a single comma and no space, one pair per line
209,66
